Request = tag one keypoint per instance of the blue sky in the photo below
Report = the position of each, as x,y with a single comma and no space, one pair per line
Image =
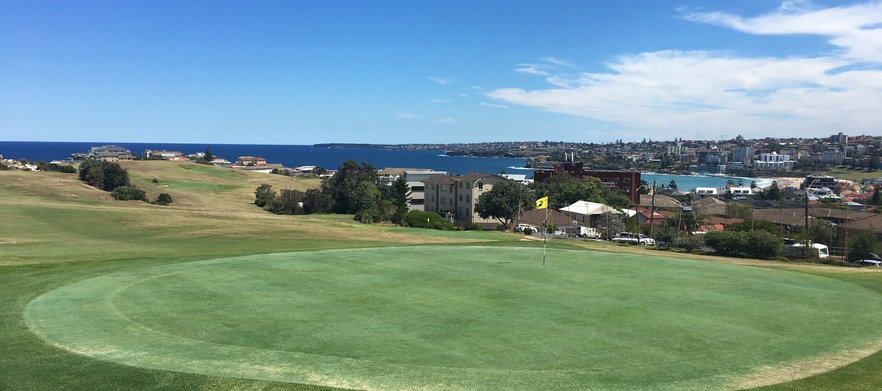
303,72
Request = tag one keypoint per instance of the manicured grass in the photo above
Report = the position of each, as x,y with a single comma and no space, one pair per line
485,317
56,233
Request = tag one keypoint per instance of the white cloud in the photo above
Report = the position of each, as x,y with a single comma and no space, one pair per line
557,61
448,121
532,69
856,29
441,100
696,94
494,105
407,115
441,80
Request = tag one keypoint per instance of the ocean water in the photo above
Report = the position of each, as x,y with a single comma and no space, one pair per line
331,158
287,155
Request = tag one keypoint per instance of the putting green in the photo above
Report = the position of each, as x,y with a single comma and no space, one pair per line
466,317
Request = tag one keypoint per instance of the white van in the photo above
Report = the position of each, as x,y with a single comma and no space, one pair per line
587,232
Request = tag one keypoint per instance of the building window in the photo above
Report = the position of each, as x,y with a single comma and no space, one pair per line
626,189
451,188
468,185
460,185
443,200
627,180
460,198
480,185
468,198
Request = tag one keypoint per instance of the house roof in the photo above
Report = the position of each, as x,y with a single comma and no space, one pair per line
661,201
793,216
872,223
536,217
440,179
588,208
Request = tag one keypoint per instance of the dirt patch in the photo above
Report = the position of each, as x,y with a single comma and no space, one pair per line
793,371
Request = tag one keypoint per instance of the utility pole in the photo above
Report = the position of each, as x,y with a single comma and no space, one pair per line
652,210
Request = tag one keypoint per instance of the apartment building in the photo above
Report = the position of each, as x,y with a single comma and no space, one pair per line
455,197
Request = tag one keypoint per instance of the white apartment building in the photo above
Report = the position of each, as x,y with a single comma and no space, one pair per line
773,161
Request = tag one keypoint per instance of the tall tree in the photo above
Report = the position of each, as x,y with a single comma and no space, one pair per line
341,186
773,193
504,202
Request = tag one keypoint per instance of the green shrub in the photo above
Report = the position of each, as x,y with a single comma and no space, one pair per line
762,244
126,193
690,242
475,227
163,199
420,219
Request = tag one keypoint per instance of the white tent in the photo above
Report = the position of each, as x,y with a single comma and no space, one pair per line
582,211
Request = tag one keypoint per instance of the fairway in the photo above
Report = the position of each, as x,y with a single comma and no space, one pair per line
464,317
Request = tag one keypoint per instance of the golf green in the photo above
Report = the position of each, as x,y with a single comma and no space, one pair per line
464,317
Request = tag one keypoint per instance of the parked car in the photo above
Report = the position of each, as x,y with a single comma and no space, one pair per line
523,227
855,256
865,259
632,238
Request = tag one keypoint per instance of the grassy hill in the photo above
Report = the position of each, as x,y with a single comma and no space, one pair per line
55,231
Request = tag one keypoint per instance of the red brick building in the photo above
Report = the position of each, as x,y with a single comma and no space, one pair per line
626,181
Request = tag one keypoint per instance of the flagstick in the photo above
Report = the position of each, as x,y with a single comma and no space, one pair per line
544,236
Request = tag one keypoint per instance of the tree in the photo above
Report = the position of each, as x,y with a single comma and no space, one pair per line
106,176
366,197
877,197
611,223
865,242
341,186
399,194
264,194
773,193
504,202
673,184
208,155
823,232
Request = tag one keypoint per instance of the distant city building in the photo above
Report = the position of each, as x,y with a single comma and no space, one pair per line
819,181
743,155
716,158
773,161
840,139
833,155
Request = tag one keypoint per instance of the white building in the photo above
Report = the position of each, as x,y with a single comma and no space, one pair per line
773,161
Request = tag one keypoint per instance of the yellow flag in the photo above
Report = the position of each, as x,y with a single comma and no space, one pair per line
542,203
